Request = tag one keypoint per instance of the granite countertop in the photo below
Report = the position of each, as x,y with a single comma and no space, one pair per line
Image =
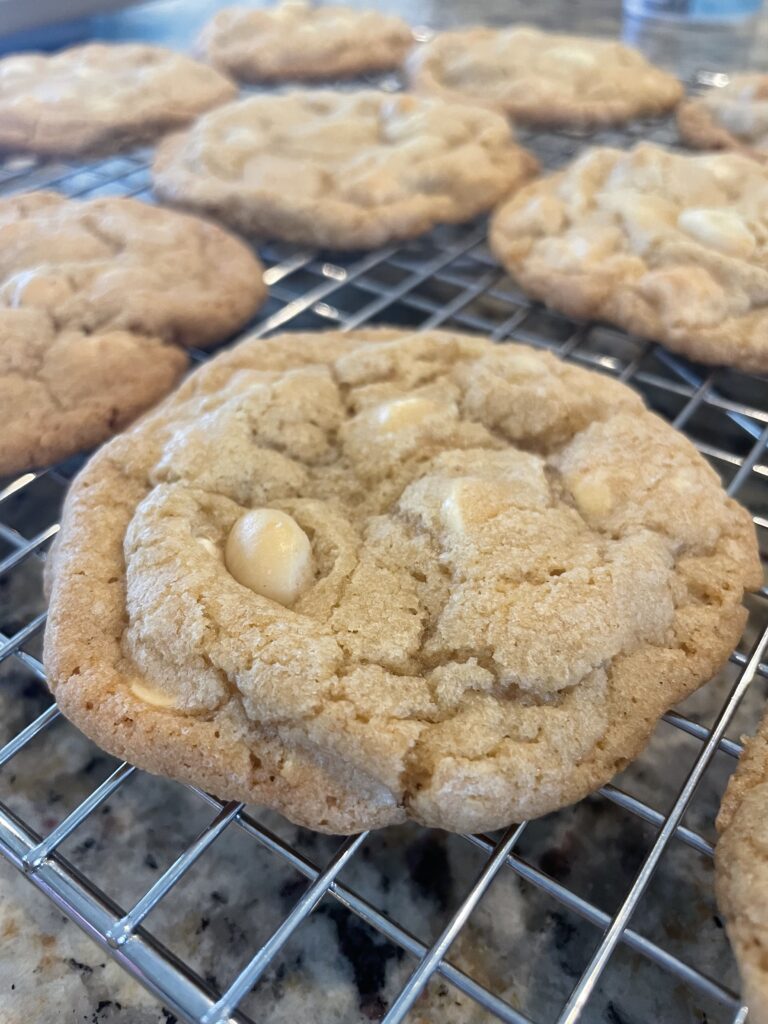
519,942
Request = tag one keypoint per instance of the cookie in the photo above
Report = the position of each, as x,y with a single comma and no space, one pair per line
741,870
734,116
92,296
65,390
122,263
295,40
542,78
665,245
369,576
341,170
100,97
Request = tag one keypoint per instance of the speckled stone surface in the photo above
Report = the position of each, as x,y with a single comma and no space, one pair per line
520,942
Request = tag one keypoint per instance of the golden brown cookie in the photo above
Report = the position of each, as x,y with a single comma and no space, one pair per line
92,294
734,116
122,263
63,390
341,170
296,40
543,78
741,866
373,576
665,245
100,96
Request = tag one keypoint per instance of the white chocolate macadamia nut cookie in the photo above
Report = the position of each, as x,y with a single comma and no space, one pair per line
99,97
96,300
665,245
542,78
374,576
341,170
302,41
734,116
741,869
121,263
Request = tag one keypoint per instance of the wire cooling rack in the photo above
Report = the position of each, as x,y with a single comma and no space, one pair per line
447,278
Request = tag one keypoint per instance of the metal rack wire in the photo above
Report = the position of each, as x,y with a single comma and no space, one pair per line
447,278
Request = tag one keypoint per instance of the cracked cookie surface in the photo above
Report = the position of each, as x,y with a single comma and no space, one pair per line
299,41
515,569
668,246
99,97
92,296
733,116
543,78
741,869
341,170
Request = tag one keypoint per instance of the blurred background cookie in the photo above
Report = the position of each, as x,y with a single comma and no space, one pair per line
733,116
543,78
665,245
100,97
95,299
297,40
341,169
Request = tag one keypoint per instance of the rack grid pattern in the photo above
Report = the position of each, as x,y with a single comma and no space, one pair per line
447,278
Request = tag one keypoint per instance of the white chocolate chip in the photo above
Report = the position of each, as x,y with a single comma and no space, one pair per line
723,230
18,66
399,126
36,288
268,552
404,413
577,56
686,480
593,498
470,501
151,696
242,137
453,507
210,547
525,361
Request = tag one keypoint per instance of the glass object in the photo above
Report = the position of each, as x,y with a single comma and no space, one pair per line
697,10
